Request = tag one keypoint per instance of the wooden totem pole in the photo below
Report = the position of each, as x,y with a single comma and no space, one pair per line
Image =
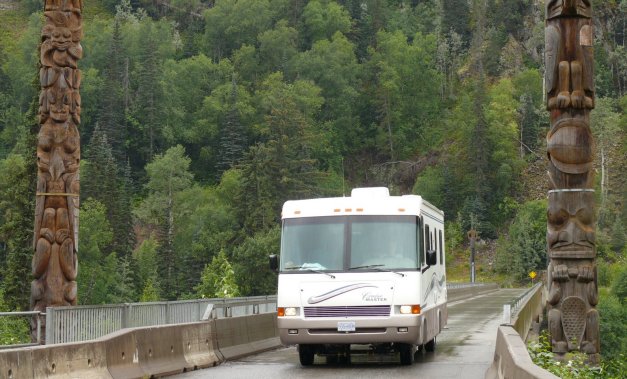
55,241
572,279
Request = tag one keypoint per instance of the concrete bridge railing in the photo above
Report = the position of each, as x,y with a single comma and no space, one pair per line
511,357
147,351
529,310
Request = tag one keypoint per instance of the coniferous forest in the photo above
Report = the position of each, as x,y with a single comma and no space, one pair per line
201,117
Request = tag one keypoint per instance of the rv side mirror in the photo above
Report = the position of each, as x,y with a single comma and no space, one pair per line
274,262
432,258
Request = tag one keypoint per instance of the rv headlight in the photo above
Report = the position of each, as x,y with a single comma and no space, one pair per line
291,311
410,309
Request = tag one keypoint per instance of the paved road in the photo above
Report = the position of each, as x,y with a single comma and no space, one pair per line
464,350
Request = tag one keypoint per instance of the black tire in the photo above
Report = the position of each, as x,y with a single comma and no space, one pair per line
306,355
430,346
405,351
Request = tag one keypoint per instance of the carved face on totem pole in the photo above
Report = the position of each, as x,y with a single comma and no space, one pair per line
61,40
571,224
60,97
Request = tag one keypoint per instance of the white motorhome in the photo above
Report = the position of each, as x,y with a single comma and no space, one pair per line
361,270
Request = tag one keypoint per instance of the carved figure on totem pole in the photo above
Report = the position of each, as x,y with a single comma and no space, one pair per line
572,278
55,243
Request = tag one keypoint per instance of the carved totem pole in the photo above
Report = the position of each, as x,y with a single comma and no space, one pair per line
572,280
55,241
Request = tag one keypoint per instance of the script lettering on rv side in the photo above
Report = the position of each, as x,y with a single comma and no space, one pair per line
369,296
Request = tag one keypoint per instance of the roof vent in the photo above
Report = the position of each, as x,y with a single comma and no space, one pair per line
370,192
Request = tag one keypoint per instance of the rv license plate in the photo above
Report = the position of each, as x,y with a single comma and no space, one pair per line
346,326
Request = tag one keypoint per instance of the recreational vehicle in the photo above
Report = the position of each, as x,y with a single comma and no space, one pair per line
365,270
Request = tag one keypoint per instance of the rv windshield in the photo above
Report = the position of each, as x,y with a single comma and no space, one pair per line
349,243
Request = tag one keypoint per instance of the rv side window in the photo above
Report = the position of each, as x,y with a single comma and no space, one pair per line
441,249
434,245
427,243
419,241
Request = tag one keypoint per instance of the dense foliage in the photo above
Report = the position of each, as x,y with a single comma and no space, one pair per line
200,118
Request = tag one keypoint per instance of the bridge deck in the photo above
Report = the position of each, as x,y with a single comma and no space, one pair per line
464,350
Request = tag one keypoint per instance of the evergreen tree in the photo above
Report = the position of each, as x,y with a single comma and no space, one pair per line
16,225
283,166
168,175
525,250
254,252
147,269
479,148
104,181
233,135
456,17
363,32
112,108
146,107
98,179
529,121
103,278
124,238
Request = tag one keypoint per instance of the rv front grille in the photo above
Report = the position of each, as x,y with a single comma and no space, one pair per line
348,311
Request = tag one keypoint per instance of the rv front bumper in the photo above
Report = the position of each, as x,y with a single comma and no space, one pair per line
399,329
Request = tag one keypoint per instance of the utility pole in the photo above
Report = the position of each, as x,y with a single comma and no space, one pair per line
472,236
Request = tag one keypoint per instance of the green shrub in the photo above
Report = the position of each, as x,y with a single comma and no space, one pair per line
13,329
613,326
607,272
619,285
573,368
612,366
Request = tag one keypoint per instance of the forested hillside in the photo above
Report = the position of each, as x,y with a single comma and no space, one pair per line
200,118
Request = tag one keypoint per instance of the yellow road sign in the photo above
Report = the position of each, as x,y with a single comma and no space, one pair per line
532,274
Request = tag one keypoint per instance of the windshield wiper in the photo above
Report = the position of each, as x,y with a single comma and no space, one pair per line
366,266
309,269
378,268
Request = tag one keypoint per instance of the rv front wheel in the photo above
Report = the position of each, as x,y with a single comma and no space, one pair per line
405,351
306,354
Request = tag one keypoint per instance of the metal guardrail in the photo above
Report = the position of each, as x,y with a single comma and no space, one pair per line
450,286
38,315
86,322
